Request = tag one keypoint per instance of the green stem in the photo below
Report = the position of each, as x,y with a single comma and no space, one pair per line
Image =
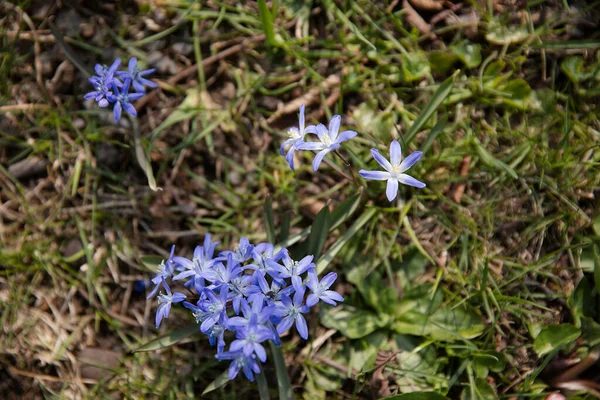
263,386
283,379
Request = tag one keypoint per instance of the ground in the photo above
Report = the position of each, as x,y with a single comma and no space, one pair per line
481,285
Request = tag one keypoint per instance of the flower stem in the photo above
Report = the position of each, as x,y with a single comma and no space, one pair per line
283,379
263,386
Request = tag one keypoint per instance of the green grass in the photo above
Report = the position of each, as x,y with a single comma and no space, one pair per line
458,279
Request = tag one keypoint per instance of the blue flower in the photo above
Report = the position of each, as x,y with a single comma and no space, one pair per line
249,338
240,361
292,311
165,301
122,98
291,268
136,76
394,170
165,270
214,308
242,253
296,138
201,266
319,289
241,288
103,83
224,274
329,140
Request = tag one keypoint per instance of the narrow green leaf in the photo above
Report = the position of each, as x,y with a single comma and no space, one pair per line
169,339
319,232
344,210
266,19
596,253
217,383
333,250
344,19
433,134
417,396
285,226
434,103
553,336
488,159
283,379
269,221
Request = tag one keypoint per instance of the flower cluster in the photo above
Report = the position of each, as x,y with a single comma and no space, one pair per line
112,86
252,291
330,141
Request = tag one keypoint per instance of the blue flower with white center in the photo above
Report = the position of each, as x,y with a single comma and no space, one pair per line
242,253
291,268
240,289
257,309
214,308
292,311
103,83
224,274
320,289
240,361
165,271
136,76
394,170
296,138
261,254
165,301
201,267
329,140
249,338
122,99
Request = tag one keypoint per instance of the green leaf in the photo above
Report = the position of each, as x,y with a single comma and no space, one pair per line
590,331
337,246
351,322
377,294
468,53
332,7
283,378
217,383
441,61
573,67
480,391
266,19
554,336
363,352
415,66
169,339
343,211
581,301
488,159
501,34
417,396
434,103
151,262
445,324
485,361
269,220
319,232
596,254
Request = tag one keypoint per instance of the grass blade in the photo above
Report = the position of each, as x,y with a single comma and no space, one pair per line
434,103
269,221
333,250
266,19
283,379
319,232
169,339
217,383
